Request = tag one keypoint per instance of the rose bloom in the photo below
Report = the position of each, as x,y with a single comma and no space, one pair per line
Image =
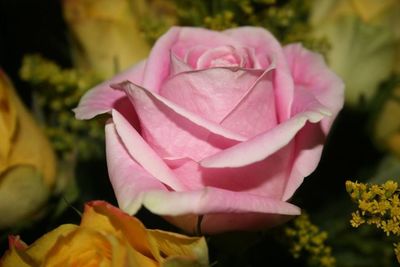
107,237
220,124
27,160
89,21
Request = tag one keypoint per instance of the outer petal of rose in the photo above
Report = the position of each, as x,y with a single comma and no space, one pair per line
102,98
143,154
263,145
172,130
222,210
265,45
214,200
128,178
311,74
177,40
225,222
312,80
266,178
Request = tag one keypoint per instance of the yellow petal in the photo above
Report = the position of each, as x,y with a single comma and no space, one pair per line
388,122
39,249
361,53
22,194
181,262
29,145
393,144
124,255
370,9
110,23
108,219
188,249
15,258
81,247
8,121
33,256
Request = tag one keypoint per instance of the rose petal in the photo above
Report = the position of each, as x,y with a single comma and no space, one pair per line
225,222
143,153
158,62
306,155
214,200
102,98
265,46
174,131
255,112
177,66
177,40
314,82
187,170
225,56
264,178
310,73
263,145
199,37
222,210
210,93
192,54
128,178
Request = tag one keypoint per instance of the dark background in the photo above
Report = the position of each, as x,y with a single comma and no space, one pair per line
28,26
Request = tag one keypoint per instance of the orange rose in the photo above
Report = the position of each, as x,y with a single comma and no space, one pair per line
107,237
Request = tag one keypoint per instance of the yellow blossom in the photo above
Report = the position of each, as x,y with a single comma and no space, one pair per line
356,219
107,237
306,237
386,127
106,35
382,211
397,251
27,161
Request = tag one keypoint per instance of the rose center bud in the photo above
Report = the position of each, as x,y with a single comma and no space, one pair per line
224,56
226,61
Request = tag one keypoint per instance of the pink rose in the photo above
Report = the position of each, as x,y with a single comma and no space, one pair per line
220,124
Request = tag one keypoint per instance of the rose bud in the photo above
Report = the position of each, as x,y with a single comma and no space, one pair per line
27,161
105,35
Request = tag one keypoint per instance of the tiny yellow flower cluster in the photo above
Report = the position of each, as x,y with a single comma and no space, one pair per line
56,92
287,20
305,237
221,21
397,250
378,205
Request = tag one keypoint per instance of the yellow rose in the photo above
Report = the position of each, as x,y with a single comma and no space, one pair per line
387,123
27,162
106,35
364,35
107,237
